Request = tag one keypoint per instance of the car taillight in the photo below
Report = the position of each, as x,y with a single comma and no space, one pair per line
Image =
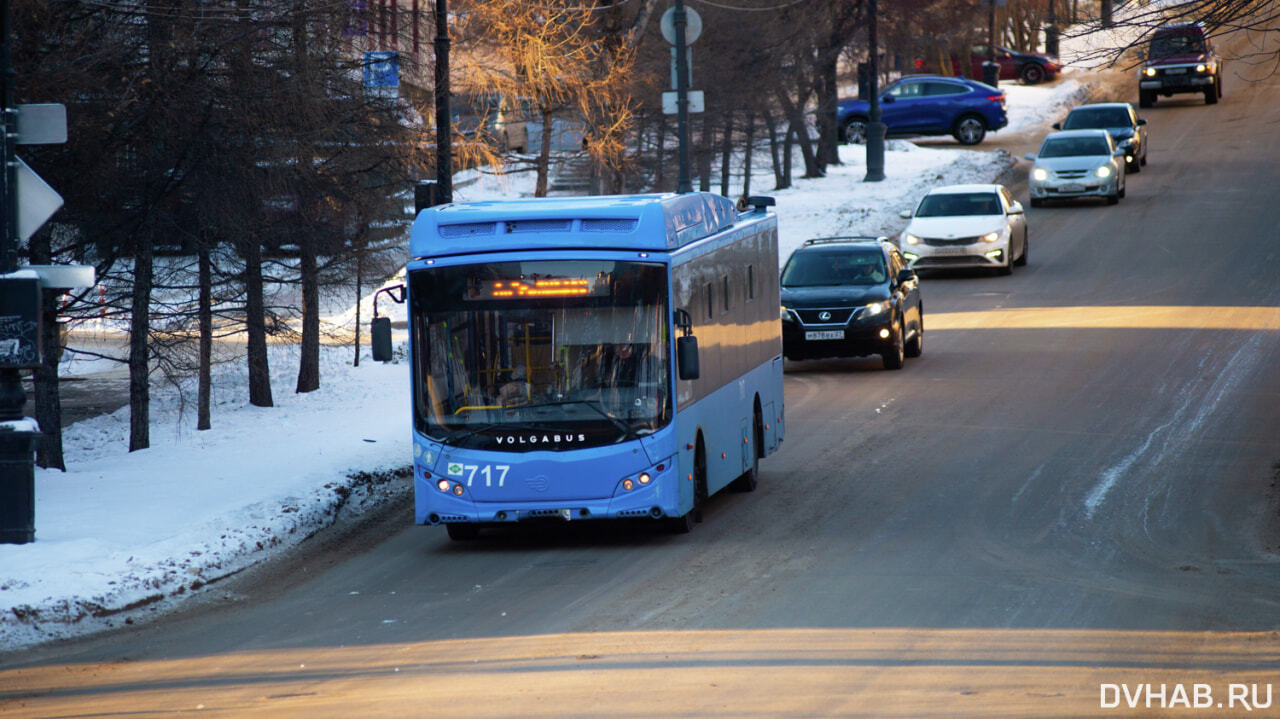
997,98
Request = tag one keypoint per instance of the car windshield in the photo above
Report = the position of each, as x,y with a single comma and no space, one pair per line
1074,147
1087,118
566,348
815,269
1176,44
953,204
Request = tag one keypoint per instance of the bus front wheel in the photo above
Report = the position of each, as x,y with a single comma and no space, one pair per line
684,524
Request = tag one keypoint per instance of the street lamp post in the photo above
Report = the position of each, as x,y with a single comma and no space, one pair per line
875,128
444,129
681,20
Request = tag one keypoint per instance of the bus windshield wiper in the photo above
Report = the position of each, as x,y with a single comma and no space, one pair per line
458,435
627,431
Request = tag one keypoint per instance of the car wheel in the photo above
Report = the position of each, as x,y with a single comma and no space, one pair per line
855,131
1026,250
915,346
1211,95
1113,198
896,356
1037,202
1123,188
1146,98
1133,167
1032,74
461,531
1144,157
969,130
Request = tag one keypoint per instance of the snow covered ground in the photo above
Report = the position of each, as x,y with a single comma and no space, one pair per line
123,537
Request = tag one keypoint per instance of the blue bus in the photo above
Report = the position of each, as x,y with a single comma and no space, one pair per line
590,358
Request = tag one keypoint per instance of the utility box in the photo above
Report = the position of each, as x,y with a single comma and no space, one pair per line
19,322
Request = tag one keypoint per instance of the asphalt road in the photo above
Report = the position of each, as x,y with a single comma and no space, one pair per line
1073,489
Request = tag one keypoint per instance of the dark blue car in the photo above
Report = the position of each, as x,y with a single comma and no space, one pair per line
929,105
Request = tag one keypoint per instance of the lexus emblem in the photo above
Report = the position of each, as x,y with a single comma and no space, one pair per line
824,315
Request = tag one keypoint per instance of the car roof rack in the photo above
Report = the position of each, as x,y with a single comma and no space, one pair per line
849,238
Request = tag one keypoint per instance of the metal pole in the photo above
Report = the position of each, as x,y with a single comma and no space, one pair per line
1051,32
444,129
682,96
8,122
875,128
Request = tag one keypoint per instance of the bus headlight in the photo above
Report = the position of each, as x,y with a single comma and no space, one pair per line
443,485
645,478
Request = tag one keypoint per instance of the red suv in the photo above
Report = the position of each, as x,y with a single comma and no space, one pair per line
1179,58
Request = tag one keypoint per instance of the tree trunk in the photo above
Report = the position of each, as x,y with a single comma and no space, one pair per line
795,116
704,154
139,359
660,153
828,141
726,153
359,292
780,182
309,362
746,160
204,316
255,321
544,156
788,149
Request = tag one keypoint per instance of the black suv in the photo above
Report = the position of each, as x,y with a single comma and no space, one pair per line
849,297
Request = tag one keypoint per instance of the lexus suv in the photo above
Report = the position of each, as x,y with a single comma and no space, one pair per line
849,297
1179,58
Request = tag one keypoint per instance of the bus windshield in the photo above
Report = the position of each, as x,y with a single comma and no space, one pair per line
540,355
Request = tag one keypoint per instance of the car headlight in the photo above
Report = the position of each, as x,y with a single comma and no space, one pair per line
910,238
785,314
874,309
1039,173
1201,67
1104,171
991,237
1149,72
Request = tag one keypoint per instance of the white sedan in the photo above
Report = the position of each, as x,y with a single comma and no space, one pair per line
966,226
1077,163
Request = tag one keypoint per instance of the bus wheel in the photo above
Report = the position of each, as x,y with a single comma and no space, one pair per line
750,478
461,531
684,524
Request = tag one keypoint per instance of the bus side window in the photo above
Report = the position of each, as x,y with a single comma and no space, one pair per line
711,303
751,282
724,287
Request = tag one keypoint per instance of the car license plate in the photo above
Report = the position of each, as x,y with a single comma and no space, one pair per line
1071,188
948,251
1176,71
825,335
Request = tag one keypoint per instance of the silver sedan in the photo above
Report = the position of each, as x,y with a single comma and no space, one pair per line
1077,163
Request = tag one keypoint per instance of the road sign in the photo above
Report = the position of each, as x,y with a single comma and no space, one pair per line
692,25
42,124
696,102
36,201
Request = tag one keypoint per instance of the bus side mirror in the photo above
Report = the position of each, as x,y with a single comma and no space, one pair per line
686,347
687,357
380,327
380,333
